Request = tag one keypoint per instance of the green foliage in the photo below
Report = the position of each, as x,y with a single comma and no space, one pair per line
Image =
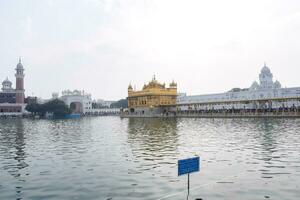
122,103
33,108
56,106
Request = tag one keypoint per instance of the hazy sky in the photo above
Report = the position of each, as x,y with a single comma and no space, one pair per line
101,45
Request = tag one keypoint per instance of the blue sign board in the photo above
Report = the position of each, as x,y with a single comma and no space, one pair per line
189,165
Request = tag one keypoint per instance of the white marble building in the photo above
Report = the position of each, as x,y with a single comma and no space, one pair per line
81,100
265,94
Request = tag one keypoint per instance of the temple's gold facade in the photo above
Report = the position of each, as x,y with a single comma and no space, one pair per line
153,94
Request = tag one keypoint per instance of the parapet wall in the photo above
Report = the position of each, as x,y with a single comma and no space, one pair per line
254,114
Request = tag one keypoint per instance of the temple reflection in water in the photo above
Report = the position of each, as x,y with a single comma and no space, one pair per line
152,136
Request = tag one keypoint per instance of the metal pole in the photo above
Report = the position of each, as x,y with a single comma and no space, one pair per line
188,183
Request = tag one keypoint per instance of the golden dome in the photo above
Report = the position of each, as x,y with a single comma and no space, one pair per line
154,84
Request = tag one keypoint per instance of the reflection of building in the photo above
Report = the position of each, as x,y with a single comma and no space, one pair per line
13,151
155,138
152,98
12,100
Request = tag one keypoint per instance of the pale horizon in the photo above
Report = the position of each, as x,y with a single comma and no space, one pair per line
102,46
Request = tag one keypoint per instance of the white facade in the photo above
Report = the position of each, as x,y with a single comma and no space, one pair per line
266,89
78,96
83,102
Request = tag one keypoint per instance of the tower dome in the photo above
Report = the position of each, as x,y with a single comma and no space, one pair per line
19,65
6,81
6,85
266,77
277,84
265,69
254,86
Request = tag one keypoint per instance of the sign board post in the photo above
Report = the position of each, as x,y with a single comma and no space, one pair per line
187,166
188,183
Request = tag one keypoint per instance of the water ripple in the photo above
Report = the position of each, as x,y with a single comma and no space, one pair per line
113,158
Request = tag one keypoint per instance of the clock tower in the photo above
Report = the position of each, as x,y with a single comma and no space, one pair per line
20,83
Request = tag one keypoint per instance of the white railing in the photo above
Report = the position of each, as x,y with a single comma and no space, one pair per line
11,114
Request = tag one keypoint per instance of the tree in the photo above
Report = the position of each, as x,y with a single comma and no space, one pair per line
33,108
122,103
56,106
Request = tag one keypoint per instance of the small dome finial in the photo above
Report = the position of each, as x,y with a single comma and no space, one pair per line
19,65
130,86
173,84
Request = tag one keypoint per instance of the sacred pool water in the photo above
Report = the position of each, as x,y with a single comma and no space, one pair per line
113,158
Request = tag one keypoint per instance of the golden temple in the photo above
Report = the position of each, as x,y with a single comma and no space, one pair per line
153,94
